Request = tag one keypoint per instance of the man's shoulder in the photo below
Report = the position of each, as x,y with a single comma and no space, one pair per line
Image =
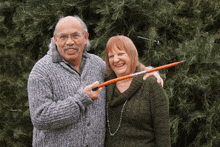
43,64
96,59
93,56
45,60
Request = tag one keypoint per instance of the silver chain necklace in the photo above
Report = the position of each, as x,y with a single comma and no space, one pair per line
112,134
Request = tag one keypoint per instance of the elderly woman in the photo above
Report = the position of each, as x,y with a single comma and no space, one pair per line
137,111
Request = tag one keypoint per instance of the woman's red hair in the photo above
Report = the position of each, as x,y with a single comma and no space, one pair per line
122,43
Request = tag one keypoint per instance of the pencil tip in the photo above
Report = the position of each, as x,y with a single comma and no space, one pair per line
183,61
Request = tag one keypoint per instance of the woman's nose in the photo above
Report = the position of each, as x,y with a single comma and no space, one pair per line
116,59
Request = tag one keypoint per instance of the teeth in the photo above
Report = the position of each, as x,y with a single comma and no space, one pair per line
120,65
70,49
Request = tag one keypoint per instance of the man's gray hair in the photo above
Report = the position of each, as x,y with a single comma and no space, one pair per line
84,28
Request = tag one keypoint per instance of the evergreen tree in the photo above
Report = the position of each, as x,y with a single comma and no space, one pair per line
163,31
26,29
186,30
15,124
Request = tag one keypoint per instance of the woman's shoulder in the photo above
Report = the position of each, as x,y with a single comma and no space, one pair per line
151,84
151,80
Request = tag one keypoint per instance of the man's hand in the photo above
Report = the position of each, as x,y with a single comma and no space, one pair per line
155,73
94,95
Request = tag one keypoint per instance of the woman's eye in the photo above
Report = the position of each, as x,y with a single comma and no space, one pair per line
120,54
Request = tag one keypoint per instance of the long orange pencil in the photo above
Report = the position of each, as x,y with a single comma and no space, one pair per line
135,74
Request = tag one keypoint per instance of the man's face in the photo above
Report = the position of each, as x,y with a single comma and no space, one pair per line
70,40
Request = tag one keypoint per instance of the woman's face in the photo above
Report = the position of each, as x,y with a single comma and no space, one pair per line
119,61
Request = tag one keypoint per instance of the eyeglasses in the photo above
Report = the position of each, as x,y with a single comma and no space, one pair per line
74,36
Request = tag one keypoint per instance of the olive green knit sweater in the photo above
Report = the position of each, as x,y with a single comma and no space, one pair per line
145,120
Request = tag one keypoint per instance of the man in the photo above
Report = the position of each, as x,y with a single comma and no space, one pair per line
64,110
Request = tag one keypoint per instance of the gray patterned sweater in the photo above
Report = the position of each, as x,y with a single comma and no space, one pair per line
61,112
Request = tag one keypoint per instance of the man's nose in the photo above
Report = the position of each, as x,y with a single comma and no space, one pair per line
69,41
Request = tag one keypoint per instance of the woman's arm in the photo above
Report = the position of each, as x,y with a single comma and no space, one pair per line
160,114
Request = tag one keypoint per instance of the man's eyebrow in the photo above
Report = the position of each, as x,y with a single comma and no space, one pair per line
62,34
70,34
76,33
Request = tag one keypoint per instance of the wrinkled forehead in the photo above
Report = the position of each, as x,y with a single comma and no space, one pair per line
69,23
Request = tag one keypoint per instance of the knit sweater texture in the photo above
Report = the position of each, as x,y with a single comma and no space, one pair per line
63,115
145,119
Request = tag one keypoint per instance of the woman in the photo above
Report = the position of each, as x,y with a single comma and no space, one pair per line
137,111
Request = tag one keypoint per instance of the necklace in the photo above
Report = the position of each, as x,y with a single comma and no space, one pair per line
112,134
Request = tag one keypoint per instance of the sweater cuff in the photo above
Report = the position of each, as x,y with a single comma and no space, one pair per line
84,98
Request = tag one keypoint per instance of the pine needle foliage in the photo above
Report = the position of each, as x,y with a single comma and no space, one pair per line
164,31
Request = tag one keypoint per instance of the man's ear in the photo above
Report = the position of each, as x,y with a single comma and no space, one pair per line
55,38
86,36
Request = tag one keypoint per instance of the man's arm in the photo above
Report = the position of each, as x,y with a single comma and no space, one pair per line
155,73
47,112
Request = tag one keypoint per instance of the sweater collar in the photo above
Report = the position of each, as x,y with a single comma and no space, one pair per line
114,97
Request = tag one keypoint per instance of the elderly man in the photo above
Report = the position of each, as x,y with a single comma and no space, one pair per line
65,112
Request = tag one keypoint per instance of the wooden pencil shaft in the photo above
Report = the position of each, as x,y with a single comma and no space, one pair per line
135,74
